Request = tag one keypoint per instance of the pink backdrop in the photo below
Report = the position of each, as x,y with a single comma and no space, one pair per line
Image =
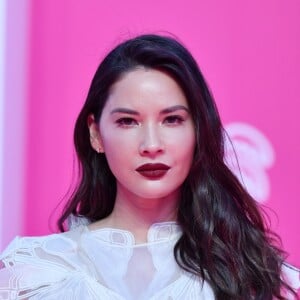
248,51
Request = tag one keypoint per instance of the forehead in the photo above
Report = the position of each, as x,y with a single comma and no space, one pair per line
145,88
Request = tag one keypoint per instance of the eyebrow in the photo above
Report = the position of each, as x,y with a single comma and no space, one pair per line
163,112
174,108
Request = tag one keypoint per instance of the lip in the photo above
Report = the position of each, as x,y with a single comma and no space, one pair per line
153,170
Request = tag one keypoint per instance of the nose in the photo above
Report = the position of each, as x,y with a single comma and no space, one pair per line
151,142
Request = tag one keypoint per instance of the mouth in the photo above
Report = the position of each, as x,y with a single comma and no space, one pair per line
153,171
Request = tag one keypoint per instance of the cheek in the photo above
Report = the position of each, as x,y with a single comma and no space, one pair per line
185,143
116,159
113,148
117,149
192,146
187,153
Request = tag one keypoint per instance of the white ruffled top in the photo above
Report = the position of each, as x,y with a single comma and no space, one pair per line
101,264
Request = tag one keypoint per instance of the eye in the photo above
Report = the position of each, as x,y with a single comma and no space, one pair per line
173,120
126,122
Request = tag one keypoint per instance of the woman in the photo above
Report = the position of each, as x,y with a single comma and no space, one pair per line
157,214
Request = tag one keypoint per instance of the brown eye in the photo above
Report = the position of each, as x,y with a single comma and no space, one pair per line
173,120
126,122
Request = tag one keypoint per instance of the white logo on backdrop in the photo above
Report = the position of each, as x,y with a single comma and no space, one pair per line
249,154
292,276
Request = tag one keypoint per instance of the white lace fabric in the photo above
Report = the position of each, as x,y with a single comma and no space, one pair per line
103,264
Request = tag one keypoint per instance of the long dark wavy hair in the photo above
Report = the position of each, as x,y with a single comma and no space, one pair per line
224,236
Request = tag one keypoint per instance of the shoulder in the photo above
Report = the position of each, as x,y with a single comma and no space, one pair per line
46,265
50,252
53,243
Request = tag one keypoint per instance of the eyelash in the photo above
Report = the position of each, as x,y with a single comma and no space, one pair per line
126,122
169,120
174,119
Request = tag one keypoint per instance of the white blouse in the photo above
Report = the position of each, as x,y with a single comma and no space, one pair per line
101,264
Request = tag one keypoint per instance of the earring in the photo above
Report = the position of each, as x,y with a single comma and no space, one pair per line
95,146
99,149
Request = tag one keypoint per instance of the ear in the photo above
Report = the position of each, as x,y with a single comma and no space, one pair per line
95,137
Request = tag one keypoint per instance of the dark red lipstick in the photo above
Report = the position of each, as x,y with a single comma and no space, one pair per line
153,171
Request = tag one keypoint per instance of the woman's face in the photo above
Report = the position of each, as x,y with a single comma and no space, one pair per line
147,134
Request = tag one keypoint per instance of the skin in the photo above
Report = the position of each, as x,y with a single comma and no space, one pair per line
146,119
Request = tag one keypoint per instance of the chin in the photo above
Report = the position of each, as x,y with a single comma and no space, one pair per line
152,194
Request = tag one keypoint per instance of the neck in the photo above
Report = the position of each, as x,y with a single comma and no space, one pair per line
137,214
